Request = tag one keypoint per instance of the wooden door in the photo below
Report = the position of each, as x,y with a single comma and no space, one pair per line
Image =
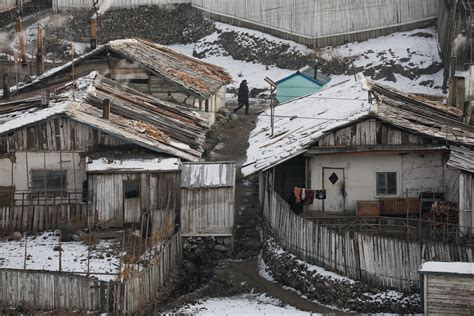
333,183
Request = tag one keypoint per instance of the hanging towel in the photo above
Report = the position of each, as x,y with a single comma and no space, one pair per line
309,197
297,191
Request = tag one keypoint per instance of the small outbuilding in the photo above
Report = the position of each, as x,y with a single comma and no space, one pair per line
303,82
448,288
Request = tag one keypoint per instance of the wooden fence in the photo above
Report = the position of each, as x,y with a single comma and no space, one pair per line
305,21
141,289
42,290
52,291
28,218
376,260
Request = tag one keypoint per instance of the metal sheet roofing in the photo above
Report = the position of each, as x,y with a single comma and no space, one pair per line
133,165
461,268
208,175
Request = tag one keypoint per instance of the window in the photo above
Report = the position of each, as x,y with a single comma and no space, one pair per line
131,189
6,195
386,183
51,181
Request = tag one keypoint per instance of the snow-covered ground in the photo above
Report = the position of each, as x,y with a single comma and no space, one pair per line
405,52
247,304
41,255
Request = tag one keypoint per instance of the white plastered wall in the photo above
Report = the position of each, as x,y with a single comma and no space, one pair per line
415,172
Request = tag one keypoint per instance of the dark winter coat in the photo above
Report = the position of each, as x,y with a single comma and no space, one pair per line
243,93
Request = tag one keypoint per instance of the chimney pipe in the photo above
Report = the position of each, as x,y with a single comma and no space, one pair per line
93,33
6,86
315,71
21,37
106,109
44,98
39,52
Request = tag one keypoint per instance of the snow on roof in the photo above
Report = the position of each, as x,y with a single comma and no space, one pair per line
432,267
133,165
300,123
200,175
35,116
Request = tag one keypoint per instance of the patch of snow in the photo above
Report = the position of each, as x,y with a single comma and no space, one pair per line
31,117
254,73
104,256
263,270
301,122
249,304
466,268
157,164
414,51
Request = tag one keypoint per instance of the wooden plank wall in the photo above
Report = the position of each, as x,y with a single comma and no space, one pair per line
376,260
143,288
42,290
449,294
41,217
207,211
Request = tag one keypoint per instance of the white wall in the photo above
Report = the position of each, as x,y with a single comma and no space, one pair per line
25,162
414,172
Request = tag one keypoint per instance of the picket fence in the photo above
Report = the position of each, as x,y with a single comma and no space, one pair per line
379,261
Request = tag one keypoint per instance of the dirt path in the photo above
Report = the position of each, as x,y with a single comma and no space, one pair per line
231,141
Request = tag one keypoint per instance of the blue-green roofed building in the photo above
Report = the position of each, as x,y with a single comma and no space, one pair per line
305,81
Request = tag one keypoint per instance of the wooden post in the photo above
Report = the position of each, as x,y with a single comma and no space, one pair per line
6,86
106,109
73,75
60,253
39,52
26,242
93,27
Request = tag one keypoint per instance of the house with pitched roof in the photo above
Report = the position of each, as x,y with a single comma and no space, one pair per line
369,149
147,67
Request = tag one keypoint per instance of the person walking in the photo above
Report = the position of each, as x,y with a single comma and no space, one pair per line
243,97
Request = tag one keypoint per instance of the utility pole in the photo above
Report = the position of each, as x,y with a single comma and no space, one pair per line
273,102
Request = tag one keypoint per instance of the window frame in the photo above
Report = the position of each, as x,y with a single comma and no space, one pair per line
386,187
43,176
128,195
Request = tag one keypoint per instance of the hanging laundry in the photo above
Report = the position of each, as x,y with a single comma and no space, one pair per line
309,197
302,194
297,191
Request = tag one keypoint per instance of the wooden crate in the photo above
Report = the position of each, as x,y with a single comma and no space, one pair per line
368,208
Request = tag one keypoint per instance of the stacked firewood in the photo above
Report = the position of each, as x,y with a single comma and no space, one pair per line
444,212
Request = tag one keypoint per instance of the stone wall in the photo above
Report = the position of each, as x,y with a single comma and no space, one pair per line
341,292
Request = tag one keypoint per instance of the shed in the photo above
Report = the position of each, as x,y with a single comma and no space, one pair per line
126,191
303,82
208,199
448,287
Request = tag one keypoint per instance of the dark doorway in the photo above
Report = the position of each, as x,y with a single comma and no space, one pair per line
288,175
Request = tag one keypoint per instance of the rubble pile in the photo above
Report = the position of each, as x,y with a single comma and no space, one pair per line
341,293
164,25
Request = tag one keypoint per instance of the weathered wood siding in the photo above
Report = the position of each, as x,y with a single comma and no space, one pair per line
207,212
208,199
305,21
30,218
159,192
371,132
376,260
449,294
49,291
144,287
57,134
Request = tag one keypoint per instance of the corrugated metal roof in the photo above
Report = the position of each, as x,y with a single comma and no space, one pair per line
207,175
